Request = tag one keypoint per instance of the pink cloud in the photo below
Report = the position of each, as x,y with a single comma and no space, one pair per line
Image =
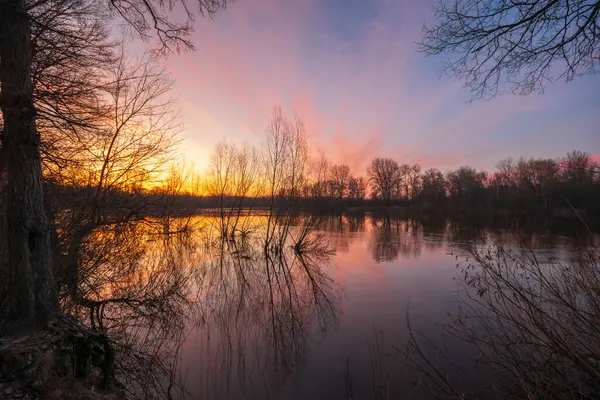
357,154
359,99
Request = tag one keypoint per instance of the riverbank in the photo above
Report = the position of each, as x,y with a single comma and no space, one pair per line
64,361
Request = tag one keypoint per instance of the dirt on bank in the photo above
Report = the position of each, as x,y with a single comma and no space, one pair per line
65,361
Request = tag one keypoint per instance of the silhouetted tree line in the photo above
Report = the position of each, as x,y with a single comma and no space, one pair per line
563,187
560,187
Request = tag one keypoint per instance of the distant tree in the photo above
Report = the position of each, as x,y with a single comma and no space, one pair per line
524,44
466,183
505,182
539,176
383,176
507,172
414,180
433,185
357,188
340,176
577,169
320,172
403,182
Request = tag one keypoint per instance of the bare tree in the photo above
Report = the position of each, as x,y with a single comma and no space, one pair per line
233,176
320,172
434,185
150,18
219,174
357,188
507,170
383,176
578,169
137,139
402,189
277,145
179,182
538,175
414,180
72,50
179,178
32,290
286,169
340,176
299,157
524,44
465,183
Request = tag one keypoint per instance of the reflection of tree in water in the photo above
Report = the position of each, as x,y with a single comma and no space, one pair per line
135,288
433,233
253,307
393,237
356,223
339,225
261,308
546,242
344,227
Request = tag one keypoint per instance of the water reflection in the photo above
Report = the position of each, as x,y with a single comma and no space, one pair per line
390,238
263,306
251,303
134,287
394,237
195,312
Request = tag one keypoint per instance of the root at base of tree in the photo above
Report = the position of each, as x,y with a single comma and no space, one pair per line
65,361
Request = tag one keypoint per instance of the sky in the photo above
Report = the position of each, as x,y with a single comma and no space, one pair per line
351,70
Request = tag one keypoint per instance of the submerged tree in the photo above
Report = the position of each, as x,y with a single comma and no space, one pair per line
287,169
524,44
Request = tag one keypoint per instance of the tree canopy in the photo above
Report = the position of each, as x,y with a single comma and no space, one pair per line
520,45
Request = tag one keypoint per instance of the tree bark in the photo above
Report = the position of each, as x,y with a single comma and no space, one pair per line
32,294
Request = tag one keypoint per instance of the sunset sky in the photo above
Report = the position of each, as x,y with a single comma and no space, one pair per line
352,72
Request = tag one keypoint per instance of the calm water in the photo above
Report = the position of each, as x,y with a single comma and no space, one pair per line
330,319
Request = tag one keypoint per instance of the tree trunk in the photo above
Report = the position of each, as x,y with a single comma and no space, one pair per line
32,295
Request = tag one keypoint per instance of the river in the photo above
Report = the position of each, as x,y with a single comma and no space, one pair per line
328,319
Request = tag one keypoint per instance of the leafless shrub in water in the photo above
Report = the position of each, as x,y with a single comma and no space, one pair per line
263,307
533,323
136,288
